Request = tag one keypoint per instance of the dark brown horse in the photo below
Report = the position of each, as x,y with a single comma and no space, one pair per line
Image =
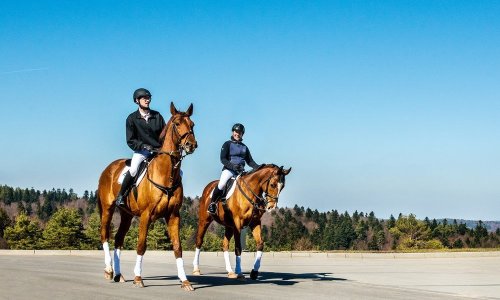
255,193
159,195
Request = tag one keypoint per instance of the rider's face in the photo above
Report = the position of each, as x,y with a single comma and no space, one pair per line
237,135
144,102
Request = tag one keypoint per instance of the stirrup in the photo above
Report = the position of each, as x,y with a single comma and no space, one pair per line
212,211
119,201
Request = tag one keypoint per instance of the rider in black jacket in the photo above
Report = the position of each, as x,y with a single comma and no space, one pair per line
143,129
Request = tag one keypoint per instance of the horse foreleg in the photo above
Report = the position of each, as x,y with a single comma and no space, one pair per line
141,248
237,252
173,231
125,222
228,234
257,235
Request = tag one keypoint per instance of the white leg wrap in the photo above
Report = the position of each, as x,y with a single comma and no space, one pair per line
237,268
196,260
258,257
180,269
138,265
228,263
116,261
107,256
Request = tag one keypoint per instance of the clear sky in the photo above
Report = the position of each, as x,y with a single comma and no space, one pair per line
384,106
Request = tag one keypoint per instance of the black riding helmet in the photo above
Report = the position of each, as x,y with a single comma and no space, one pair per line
142,92
239,127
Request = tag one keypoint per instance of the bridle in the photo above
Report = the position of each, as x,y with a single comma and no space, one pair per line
263,201
179,153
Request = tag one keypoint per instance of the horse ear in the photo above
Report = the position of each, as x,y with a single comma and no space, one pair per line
287,171
173,110
189,112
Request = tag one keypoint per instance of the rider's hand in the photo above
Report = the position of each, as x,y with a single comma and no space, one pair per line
239,168
147,147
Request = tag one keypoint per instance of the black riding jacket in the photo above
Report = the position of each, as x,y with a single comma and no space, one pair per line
140,132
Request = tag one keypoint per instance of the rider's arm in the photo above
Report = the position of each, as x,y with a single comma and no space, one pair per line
224,155
132,140
250,161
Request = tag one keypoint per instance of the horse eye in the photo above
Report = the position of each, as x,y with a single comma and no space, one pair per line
273,185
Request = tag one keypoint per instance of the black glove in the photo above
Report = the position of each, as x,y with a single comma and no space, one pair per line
239,168
147,147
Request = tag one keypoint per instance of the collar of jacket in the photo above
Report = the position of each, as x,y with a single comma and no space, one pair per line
152,114
235,141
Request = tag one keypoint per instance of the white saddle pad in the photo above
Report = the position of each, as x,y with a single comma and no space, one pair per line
231,190
124,171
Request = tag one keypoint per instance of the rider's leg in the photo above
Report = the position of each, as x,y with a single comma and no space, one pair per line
137,158
224,177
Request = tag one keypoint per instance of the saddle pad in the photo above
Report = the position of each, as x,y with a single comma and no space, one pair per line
125,170
230,192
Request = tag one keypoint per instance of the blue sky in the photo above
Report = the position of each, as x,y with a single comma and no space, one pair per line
384,106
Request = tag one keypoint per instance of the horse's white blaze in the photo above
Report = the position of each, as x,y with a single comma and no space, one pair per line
280,186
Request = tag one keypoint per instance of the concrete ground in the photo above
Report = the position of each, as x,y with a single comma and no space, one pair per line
38,275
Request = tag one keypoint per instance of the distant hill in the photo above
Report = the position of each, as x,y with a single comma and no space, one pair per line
491,226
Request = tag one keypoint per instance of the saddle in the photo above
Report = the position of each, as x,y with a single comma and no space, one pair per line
228,190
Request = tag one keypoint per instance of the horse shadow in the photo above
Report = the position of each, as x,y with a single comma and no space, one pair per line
214,279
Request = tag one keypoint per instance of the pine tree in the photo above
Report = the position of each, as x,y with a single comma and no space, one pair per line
25,234
64,230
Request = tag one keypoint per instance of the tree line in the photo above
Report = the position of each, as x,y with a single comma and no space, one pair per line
46,220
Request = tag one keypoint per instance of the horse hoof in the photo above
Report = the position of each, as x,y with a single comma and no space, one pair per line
186,285
254,274
232,275
241,277
119,278
138,282
197,272
108,275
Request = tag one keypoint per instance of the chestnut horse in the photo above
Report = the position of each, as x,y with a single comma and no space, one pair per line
159,195
255,193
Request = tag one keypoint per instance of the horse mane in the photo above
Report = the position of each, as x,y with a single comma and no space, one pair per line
261,167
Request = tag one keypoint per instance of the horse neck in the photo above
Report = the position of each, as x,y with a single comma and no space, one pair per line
254,180
170,143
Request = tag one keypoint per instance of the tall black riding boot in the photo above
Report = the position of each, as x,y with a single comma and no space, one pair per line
127,181
212,208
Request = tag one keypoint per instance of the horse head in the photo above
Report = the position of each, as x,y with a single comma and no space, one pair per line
273,186
182,129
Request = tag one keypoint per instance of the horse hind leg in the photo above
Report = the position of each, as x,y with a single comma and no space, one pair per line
202,229
105,215
125,222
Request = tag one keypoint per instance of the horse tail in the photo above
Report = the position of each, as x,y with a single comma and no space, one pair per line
99,204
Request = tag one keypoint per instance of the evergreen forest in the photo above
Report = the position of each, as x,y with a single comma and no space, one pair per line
59,219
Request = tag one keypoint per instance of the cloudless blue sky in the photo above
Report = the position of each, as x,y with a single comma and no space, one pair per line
384,106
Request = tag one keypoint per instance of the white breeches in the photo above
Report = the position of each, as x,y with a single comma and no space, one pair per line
224,177
137,158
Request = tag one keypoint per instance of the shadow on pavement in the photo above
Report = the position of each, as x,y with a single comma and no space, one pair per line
220,279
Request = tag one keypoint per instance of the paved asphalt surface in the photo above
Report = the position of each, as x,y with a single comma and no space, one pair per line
38,275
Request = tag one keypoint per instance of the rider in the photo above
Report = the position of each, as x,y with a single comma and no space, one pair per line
143,129
233,156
